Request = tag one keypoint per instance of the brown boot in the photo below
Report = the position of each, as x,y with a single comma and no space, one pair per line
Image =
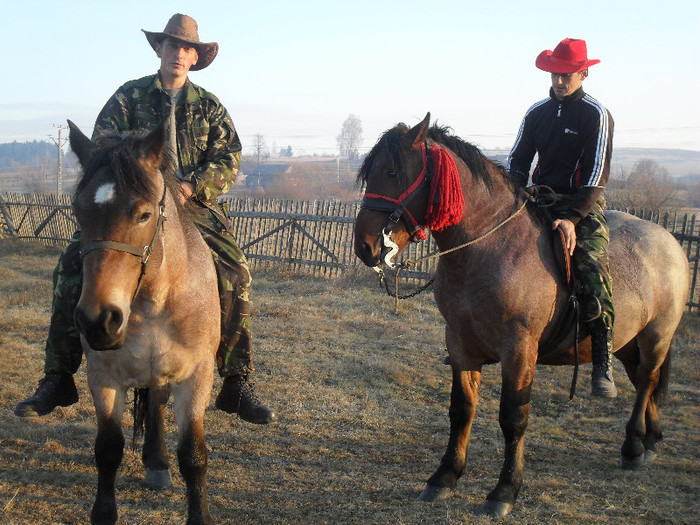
237,396
602,379
54,390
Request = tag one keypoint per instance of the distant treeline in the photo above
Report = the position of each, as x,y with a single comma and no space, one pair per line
26,153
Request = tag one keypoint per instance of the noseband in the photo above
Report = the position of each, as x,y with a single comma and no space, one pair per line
144,253
396,207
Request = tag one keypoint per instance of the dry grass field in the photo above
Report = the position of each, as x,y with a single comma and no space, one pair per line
362,398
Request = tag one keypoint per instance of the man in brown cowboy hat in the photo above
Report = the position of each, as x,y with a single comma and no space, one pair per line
572,133
203,139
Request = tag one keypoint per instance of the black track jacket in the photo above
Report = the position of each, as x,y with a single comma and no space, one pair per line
573,142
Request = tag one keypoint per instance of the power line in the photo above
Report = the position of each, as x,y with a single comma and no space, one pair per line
60,143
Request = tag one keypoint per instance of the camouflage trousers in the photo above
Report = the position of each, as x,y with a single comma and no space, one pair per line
591,262
234,355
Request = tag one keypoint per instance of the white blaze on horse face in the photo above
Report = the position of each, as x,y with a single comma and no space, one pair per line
393,249
105,193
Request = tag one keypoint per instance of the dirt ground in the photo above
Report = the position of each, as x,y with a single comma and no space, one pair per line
362,397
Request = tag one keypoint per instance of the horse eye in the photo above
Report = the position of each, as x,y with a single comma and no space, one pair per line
391,174
145,217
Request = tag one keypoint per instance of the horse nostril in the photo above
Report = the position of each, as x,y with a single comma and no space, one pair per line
111,319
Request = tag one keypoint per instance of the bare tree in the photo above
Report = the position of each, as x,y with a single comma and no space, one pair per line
648,186
350,138
260,148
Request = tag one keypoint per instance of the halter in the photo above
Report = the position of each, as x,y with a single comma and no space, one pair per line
143,253
396,207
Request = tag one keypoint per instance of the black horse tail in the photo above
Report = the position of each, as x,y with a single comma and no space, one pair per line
140,411
661,389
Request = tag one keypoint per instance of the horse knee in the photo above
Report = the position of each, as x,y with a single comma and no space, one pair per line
109,446
192,456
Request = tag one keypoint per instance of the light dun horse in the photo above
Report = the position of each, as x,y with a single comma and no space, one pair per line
504,296
148,314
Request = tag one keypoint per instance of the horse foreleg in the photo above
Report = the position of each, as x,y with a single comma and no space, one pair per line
155,453
192,460
109,450
190,402
463,400
513,416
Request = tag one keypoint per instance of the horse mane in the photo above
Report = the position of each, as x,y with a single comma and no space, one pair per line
121,154
476,161
388,143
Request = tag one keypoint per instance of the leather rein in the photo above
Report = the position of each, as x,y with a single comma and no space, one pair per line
142,252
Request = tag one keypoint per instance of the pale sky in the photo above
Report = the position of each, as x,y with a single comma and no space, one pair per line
294,70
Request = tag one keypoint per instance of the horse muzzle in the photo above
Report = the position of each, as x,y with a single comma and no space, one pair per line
379,250
105,329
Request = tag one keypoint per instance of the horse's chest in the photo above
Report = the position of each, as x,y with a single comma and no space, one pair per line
148,359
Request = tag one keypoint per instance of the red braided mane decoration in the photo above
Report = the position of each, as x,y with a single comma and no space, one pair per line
446,202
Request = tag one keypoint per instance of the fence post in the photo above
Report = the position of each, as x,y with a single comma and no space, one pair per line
6,224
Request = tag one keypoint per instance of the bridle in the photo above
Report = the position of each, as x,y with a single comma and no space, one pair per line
397,210
144,253
397,207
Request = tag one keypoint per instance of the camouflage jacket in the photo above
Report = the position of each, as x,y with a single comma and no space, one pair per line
208,147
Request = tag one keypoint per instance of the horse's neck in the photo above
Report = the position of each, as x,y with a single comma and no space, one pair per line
486,208
171,259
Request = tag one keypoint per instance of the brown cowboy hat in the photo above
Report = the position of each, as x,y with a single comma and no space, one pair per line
570,56
184,28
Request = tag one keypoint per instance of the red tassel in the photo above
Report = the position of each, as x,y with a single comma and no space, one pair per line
446,203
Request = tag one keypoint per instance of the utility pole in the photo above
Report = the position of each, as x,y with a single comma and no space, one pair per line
60,143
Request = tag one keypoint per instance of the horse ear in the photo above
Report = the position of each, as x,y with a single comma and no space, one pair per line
153,145
418,133
79,143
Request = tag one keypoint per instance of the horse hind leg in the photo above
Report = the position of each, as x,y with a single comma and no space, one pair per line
155,454
650,379
653,434
463,400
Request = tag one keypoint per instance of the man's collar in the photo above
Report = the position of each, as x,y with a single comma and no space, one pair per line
576,95
189,93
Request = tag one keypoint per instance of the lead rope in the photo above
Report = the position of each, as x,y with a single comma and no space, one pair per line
434,255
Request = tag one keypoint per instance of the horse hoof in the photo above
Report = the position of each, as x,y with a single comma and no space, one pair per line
158,479
631,463
649,456
433,492
494,509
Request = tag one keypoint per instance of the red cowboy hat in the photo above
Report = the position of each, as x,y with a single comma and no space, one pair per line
184,28
570,56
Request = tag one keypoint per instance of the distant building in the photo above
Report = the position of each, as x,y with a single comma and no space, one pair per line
267,175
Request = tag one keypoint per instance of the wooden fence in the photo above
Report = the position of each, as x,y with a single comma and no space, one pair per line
305,236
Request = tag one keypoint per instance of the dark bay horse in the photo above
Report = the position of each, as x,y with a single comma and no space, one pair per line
148,314
503,296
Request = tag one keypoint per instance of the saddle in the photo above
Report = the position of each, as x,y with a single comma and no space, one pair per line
570,320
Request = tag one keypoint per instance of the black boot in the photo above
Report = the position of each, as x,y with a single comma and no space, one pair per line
602,380
54,390
237,395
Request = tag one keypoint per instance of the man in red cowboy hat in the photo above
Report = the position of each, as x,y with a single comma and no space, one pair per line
572,133
203,140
